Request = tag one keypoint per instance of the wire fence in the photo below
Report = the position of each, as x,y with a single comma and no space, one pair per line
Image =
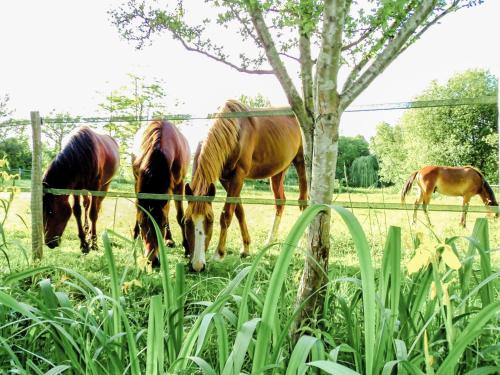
366,205
482,100
36,178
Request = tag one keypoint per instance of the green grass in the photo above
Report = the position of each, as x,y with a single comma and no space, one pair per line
70,313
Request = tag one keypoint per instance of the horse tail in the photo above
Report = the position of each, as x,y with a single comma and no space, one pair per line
407,186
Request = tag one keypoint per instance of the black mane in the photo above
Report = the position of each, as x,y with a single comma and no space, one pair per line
76,165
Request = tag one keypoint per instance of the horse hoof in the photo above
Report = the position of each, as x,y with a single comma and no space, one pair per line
218,256
85,249
169,243
244,254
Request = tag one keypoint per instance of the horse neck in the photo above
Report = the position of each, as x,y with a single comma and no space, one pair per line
59,175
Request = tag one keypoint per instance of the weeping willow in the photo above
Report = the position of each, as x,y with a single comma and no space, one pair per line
364,171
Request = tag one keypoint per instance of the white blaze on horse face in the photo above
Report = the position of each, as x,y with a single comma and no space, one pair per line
198,260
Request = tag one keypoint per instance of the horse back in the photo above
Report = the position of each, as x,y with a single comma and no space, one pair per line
452,181
269,144
108,157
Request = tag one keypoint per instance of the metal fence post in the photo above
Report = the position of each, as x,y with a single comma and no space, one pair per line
36,187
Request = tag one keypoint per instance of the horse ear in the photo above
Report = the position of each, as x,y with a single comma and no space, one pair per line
187,189
211,191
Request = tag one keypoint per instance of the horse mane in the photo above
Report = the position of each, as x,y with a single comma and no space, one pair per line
220,142
153,177
153,166
76,162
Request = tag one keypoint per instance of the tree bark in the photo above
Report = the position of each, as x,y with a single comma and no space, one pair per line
314,277
324,160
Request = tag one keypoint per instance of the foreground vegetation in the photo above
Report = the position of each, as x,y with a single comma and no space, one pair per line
108,313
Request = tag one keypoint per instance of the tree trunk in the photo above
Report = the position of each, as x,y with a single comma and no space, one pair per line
311,290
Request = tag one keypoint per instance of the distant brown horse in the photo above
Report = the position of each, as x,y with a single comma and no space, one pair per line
87,161
234,150
453,181
160,166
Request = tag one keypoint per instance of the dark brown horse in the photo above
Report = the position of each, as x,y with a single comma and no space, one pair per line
88,161
160,166
454,181
234,150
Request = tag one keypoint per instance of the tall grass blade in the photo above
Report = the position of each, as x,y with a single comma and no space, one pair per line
300,353
473,329
332,368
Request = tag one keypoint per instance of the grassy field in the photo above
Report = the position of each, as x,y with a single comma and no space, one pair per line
341,330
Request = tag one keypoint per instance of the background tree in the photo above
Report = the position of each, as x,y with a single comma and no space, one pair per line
56,129
350,148
457,135
5,112
258,101
388,146
364,171
17,151
321,36
134,102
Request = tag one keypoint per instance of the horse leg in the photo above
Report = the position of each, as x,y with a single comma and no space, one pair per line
465,207
77,211
95,206
279,193
240,215
179,190
300,167
233,190
136,230
86,205
169,242
427,199
418,201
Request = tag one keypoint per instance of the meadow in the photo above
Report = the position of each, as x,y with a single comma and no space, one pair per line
107,312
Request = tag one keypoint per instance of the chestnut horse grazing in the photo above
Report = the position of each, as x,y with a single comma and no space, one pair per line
87,161
160,165
236,149
454,181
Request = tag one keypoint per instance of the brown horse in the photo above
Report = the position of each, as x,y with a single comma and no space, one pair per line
234,150
160,166
453,181
88,161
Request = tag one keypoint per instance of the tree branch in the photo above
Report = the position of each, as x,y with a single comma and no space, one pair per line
365,35
388,55
219,59
378,44
452,8
280,71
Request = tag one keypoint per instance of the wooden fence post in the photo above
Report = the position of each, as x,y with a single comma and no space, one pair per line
36,188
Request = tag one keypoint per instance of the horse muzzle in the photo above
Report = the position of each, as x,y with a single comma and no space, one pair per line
53,243
196,266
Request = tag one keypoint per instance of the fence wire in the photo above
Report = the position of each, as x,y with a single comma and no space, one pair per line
482,100
256,201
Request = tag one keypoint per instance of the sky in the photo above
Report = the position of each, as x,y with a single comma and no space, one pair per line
63,55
